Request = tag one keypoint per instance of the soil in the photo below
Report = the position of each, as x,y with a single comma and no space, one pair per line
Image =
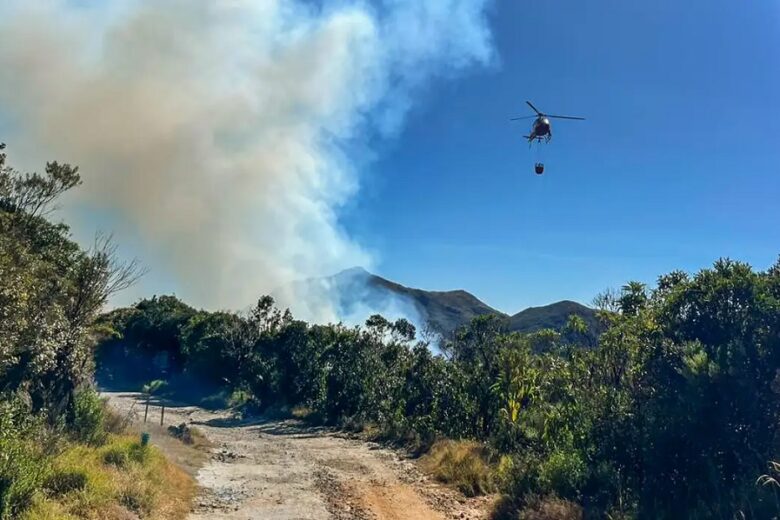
275,469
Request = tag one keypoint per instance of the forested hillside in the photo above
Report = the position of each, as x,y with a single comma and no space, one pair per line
673,414
443,312
57,440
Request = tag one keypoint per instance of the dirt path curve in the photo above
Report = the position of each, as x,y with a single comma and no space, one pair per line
286,470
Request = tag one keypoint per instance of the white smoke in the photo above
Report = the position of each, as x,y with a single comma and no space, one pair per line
220,134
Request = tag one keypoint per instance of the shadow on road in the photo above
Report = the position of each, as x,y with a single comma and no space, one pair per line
292,427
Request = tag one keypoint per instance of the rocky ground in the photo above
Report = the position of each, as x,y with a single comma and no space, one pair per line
285,469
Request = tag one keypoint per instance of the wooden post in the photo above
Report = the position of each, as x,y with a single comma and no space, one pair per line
146,411
162,415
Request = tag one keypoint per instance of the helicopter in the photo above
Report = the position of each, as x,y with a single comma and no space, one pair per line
542,128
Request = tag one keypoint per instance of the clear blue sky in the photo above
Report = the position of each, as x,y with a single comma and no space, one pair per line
676,165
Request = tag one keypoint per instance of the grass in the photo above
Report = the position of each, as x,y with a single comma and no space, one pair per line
551,508
189,457
463,464
118,481
303,413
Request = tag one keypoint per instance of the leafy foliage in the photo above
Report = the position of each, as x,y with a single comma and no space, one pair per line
23,457
51,291
674,413
88,423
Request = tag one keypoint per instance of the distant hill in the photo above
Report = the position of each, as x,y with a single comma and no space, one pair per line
443,310
554,316
358,291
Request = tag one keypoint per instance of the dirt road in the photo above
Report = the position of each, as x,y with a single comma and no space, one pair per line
284,469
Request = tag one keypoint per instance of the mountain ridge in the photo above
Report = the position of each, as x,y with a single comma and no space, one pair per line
443,311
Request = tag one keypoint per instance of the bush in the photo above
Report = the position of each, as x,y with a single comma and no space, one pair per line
63,482
463,464
121,454
116,457
22,472
551,508
23,461
563,473
88,418
114,422
353,424
244,402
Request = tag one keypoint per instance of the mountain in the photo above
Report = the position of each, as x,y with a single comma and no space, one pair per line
359,293
444,311
554,316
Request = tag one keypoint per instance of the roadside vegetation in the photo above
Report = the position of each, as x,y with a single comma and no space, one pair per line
672,414
63,454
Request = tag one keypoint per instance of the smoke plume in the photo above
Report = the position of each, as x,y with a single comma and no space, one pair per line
221,135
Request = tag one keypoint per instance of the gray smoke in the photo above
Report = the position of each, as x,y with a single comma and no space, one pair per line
218,136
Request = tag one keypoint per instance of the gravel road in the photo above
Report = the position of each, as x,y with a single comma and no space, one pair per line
287,470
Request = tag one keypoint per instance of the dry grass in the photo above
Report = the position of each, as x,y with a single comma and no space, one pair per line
190,435
188,457
463,464
551,508
303,413
114,422
118,481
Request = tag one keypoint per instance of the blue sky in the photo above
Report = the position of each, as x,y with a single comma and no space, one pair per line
216,139
676,165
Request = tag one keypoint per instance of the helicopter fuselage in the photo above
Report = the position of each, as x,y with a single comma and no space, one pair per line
541,129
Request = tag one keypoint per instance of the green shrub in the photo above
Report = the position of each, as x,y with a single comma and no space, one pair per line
23,461
116,457
244,402
139,453
563,473
88,418
63,482
120,455
22,472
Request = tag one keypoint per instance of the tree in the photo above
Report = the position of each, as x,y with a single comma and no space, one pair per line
50,290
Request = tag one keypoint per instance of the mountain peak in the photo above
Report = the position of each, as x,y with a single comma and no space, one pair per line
356,288
353,271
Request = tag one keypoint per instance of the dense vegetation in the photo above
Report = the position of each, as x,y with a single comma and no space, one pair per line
442,311
59,446
673,414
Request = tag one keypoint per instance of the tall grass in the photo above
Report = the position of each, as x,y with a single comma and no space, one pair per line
83,469
113,482
463,464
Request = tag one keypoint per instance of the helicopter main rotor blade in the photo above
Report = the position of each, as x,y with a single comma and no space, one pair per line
525,117
566,117
535,109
